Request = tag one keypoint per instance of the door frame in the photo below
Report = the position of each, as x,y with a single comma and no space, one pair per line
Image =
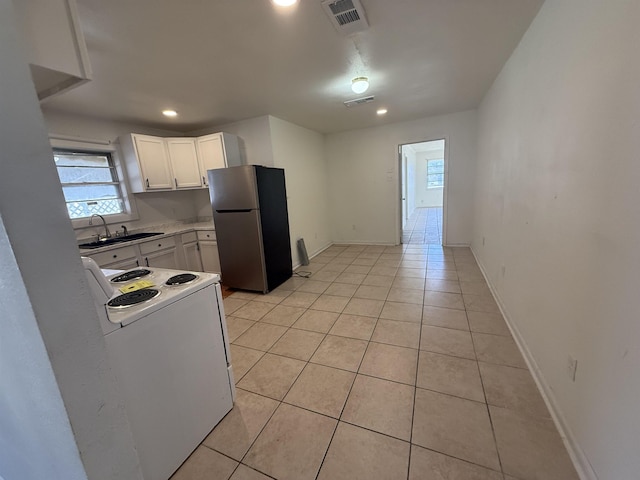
403,190
445,190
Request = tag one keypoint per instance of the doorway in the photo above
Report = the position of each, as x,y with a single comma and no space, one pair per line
422,192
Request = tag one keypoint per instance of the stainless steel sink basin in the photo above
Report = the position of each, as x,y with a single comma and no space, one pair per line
138,236
126,238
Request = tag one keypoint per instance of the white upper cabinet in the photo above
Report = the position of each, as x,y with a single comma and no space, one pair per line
156,163
147,163
218,150
184,162
55,47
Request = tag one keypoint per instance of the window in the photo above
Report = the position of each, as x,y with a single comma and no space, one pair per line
435,173
90,183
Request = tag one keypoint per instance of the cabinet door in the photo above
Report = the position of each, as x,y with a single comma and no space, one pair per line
184,162
162,259
192,256
125,265
121,257
210,154
154,162
209,255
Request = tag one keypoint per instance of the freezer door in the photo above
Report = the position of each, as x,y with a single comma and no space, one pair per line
233,188
240,249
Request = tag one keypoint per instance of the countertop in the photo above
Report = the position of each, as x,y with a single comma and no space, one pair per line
166,229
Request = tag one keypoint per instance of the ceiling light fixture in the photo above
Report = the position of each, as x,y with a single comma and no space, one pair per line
381,111
360,84
170,113
284,3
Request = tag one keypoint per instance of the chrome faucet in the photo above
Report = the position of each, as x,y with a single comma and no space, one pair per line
107,233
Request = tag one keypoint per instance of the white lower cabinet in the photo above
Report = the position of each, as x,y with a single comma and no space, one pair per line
125,265
122,258
209,251
191,251
194,251
160,253
162,259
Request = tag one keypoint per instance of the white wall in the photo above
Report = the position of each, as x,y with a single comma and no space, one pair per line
364,177
557,203
300,152
60,415
427,197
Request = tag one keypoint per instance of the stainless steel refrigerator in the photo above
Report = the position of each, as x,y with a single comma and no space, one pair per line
249,205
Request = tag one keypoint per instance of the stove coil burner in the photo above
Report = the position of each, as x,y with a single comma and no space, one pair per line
131,275
133,298
181,279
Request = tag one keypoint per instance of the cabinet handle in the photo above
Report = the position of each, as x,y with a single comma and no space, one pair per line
147,183
198,246
146,259
176,180
204,182
159,244
137,263
115,256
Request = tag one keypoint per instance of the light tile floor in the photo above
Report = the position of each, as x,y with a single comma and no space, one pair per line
423,226
387,363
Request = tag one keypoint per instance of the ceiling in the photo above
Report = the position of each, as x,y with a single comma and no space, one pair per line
220,61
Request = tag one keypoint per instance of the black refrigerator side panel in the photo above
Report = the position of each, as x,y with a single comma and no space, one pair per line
272,197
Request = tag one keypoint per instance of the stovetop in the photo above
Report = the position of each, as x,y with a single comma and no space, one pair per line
170,285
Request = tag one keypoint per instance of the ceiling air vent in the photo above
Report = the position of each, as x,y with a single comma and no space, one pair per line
347,16
359,101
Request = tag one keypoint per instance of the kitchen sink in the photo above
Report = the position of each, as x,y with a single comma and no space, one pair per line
138,236
125,238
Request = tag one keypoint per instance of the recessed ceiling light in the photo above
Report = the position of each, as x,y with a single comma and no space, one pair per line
360,84
381,111
170,113
284,3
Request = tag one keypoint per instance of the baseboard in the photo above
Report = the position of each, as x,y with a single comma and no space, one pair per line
317,252
580,461
379,244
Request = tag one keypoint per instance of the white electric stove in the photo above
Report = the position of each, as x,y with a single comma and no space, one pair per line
168,346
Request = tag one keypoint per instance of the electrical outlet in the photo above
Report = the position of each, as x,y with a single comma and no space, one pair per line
572,367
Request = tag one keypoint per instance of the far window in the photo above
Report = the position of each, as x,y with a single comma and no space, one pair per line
435,173
90,183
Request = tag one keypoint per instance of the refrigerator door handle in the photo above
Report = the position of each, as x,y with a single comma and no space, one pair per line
244,210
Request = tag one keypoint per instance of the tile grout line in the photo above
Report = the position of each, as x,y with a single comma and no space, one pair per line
415,387
343,407
484,393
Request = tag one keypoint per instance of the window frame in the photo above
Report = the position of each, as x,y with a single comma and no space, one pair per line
429,187
130,208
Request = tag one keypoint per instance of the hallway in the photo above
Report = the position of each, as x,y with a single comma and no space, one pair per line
424,226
